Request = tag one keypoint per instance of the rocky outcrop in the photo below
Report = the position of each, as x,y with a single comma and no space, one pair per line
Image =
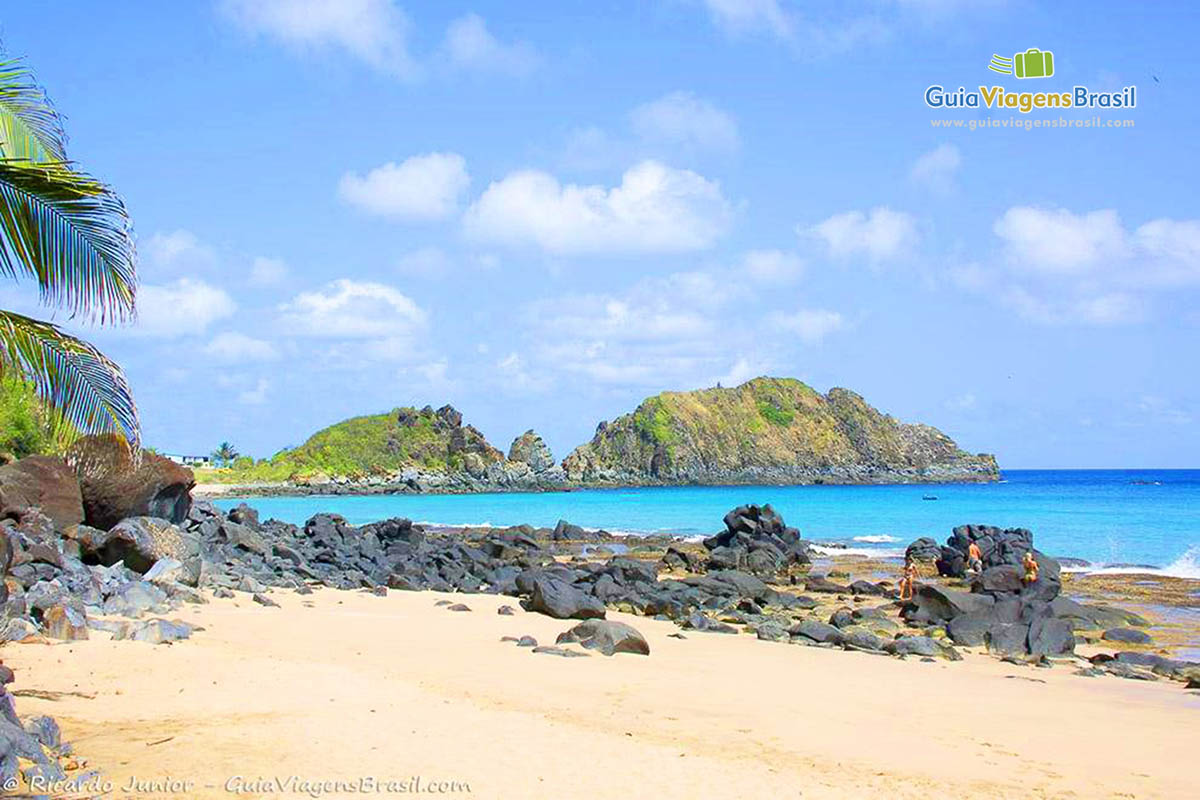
45,482
114,488
530,450
1001,611
757,540
768,431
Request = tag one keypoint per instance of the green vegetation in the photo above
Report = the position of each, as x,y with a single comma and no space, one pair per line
766,423
27,427
225,455
369,446
70,234
775,415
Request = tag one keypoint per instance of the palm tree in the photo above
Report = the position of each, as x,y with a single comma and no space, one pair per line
71,234
225,455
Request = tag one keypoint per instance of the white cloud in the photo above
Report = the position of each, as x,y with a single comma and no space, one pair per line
681,119
1058,241
1172,247
655,209
256,396
174,253
938,168
743,370
751,16
186,306
347,309
425,187
662,331
237,347
374,31
880,235
771,266
267,271
425,262
811,326
470,45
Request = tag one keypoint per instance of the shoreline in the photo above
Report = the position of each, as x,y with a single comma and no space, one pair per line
393,690
329,653
209,490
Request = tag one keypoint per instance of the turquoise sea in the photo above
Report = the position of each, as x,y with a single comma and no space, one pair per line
1112,518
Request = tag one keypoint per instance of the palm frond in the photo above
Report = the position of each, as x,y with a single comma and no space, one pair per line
84,387
72,234
30,128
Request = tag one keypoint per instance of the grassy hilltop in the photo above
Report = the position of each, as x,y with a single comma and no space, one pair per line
770,430
777,429
371,446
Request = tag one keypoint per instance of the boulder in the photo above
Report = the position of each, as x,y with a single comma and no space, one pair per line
138,543
43,482
606,636
923,549
114,489
920,646
1049,636
155,631
1126,636
561,600
245,515
816,631
530,449
61,621
934,604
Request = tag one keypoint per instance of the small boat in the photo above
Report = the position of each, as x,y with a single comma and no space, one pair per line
929,497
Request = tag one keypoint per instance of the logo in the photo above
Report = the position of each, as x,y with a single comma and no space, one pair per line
1033,63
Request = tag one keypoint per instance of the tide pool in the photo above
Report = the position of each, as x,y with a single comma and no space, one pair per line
1108,517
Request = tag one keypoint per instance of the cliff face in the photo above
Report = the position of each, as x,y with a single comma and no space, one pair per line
768,430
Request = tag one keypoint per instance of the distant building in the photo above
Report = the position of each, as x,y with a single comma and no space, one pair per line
189,461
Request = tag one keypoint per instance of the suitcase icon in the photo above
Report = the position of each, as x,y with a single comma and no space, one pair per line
1034,63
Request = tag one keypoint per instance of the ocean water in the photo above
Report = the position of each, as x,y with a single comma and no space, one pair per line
1112,518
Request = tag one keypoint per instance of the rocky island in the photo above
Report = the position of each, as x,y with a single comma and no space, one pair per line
765,431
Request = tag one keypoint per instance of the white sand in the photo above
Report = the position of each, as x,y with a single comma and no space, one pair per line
352,685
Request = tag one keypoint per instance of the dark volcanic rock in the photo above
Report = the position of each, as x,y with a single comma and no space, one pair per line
1126,636
43,482
114,490
757,540
557,598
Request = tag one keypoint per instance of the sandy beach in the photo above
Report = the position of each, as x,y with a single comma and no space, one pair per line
347,686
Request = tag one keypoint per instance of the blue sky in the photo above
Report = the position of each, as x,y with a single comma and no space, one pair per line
543,213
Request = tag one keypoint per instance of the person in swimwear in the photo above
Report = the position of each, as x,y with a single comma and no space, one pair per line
1031,569
974,558
908,579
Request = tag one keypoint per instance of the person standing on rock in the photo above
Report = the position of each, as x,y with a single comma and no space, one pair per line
1031,569
974,558
908,579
